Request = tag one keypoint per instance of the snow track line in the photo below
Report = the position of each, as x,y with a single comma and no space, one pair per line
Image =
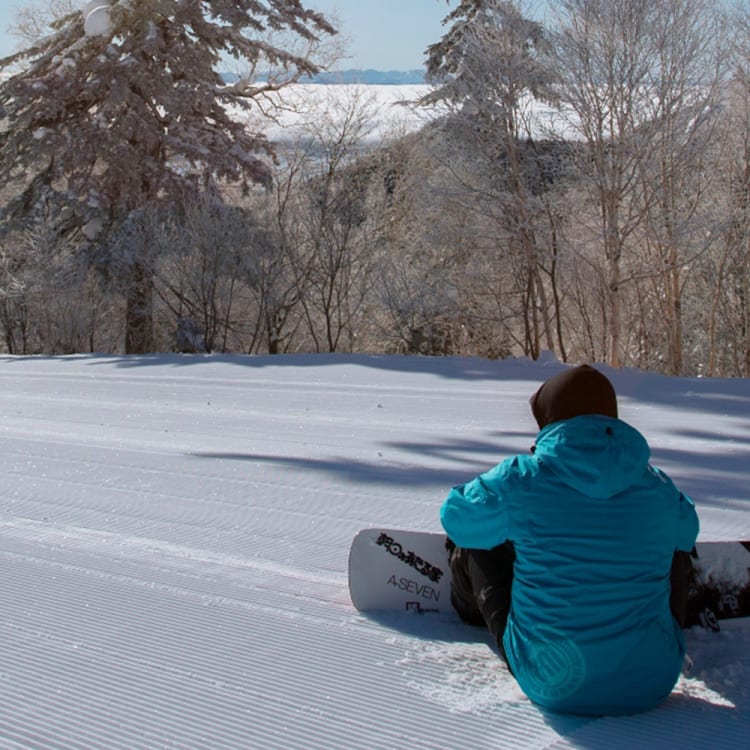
247,382
54,727
225,701
119,706
179,592
160,680
251,483
247,478
127,546
271,545
193,697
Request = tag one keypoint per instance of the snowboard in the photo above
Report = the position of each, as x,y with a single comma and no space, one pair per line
401,570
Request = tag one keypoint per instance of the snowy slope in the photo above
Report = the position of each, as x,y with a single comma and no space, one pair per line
173,545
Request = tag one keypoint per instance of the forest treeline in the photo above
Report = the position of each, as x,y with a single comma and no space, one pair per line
585,190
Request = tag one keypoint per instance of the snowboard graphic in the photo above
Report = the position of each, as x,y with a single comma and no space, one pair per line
401,570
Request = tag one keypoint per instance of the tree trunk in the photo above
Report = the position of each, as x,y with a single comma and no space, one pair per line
139,314
613,252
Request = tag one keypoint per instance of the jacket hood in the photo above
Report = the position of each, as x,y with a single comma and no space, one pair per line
595,455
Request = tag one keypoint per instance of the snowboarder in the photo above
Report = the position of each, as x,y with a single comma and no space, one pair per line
577,556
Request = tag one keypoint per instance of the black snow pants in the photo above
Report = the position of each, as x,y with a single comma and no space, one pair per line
480,587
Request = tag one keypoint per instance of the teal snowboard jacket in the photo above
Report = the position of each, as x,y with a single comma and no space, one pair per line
594,527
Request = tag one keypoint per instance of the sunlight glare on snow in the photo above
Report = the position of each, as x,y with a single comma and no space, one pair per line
470,676
696,688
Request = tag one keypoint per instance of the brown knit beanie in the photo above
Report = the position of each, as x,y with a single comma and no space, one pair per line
576,391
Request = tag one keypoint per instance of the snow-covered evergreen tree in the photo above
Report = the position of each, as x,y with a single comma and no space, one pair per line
490,58
123,105
489,67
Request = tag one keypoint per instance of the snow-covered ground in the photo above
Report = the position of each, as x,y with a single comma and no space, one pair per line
373,113
369,113
174,535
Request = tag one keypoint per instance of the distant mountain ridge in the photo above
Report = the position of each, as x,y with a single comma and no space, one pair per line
367,77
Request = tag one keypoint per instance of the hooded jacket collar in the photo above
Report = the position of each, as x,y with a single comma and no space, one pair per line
595,455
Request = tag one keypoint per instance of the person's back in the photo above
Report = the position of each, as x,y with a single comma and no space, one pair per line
594,529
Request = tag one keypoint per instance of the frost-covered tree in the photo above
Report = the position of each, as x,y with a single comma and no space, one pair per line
490,59
341,229
490,67
203,280
726,271
123,105
638,79
33,18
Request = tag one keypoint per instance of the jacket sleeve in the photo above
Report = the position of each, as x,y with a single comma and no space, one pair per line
688,525
686,522
475,515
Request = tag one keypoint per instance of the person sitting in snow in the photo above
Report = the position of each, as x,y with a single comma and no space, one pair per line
576,557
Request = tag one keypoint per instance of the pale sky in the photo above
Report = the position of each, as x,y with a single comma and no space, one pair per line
388,34
384,34
7,15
